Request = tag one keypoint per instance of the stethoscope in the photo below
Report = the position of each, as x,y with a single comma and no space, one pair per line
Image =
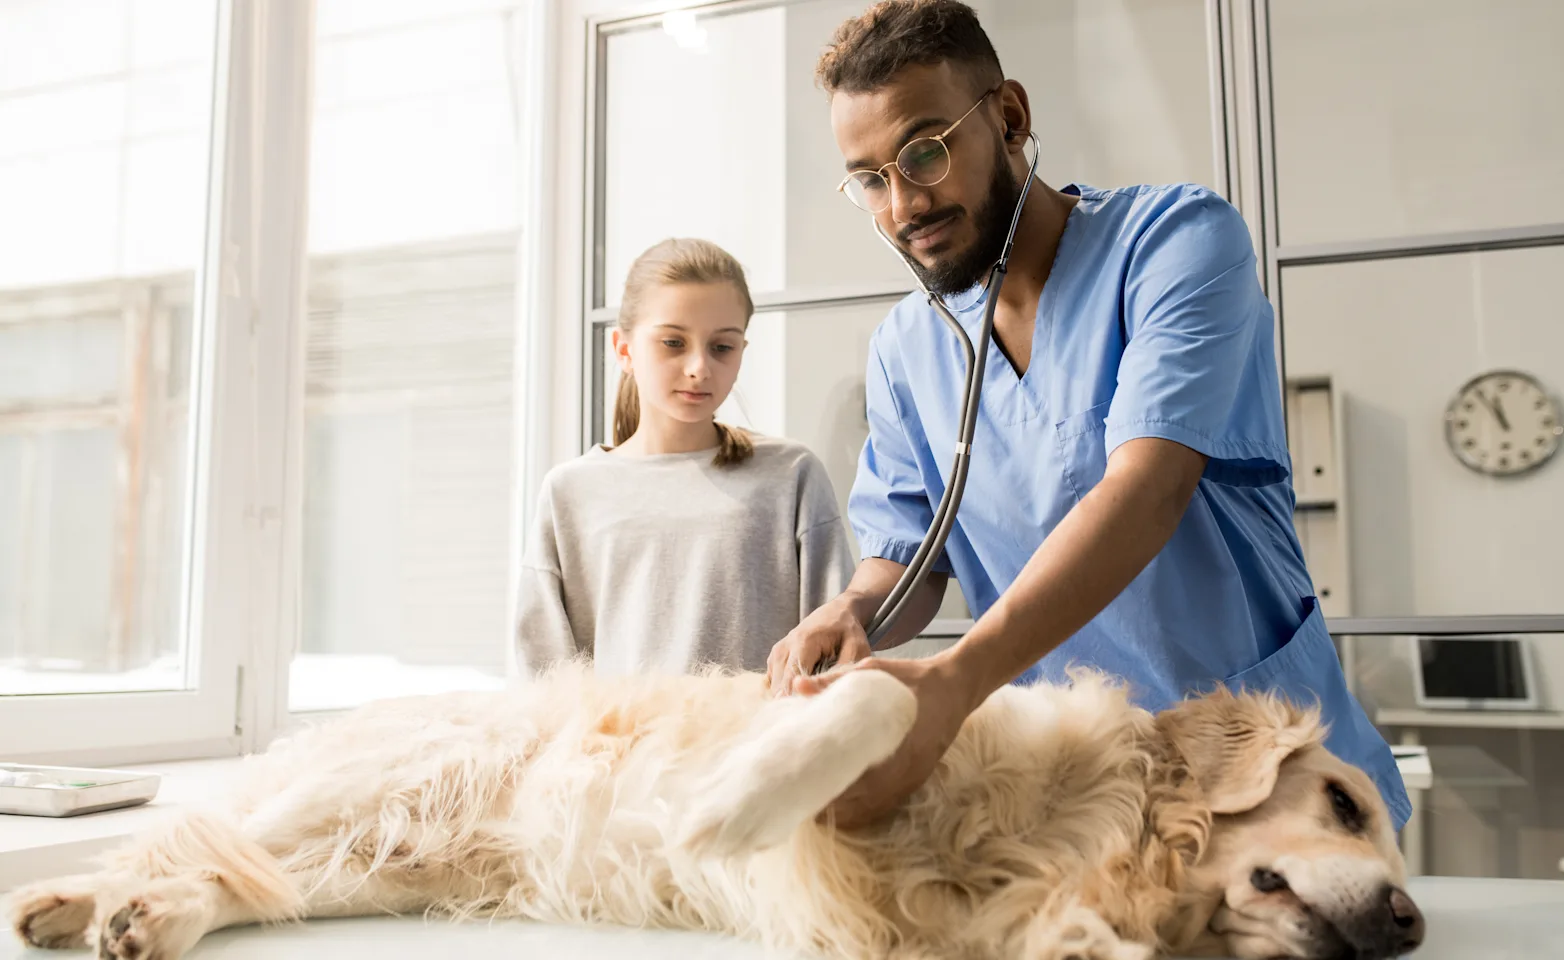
945,514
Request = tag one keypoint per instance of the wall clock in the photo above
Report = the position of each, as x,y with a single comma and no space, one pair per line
1502,423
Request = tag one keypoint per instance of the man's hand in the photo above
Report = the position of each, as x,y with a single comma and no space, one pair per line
837,627
831,629
944,703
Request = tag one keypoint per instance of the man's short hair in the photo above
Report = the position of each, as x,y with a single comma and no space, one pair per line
867,51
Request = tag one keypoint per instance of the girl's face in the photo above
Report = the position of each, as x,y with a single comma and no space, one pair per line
684,349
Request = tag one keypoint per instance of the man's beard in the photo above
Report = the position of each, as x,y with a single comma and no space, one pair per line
964,269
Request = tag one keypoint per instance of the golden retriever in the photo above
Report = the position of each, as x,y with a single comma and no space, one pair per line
1063,823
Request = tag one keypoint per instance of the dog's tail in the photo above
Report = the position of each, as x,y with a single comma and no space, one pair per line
803,759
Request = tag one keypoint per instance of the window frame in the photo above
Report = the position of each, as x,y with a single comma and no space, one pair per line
243,570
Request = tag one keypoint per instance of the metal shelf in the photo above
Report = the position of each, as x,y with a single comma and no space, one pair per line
1471,719
1445,626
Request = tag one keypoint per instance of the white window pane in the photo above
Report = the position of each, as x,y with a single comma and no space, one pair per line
448,160
47,121
411,334
56,41
92,495
695,142
357,17
60,217
1427,535
95,342
1404,117
170,101
163,217
64,361
443,57
716,128
170,32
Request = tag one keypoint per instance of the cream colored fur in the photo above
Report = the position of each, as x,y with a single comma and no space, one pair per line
1063,822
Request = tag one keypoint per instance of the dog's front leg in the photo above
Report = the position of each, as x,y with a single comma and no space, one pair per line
1077,932
796,763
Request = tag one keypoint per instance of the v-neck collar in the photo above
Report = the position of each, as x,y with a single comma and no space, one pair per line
999,373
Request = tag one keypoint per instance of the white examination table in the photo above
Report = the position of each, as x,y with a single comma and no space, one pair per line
1467,920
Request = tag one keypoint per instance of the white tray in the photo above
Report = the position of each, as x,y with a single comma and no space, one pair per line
80,790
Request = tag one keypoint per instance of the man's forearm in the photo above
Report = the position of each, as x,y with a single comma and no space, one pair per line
1088,559
873,581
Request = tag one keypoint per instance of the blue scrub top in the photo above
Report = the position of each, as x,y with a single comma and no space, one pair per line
1152,324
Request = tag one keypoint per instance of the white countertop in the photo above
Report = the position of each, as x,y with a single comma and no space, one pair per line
1468,919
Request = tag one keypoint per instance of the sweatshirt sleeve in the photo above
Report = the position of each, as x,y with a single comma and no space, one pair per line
825,557
543,634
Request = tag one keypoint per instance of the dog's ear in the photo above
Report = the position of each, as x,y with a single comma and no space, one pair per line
1235,745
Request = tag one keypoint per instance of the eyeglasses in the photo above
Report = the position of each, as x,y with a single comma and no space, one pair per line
924,161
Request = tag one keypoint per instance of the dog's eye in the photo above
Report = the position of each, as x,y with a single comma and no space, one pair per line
1345,808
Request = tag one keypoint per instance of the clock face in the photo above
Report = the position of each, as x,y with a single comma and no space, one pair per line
1503,423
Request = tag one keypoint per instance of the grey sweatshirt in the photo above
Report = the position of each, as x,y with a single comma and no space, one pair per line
665,563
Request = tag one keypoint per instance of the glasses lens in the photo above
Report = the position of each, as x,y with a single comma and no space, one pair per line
924,161
868,190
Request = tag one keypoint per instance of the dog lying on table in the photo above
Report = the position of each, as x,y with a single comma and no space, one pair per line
1064,822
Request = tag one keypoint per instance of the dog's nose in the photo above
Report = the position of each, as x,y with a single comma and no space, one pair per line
1407,918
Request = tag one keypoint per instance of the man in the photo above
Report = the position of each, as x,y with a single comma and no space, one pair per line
1128,504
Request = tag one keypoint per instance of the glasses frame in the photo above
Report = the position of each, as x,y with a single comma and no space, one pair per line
938,138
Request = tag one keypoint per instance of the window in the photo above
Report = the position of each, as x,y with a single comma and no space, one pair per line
103,183
411,336
294,488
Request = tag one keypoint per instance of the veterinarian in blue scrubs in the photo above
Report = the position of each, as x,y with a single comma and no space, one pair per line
1128,505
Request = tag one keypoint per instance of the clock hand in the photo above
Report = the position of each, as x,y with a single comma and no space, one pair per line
1493,407
1498,411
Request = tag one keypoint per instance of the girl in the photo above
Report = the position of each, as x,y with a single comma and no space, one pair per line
688,542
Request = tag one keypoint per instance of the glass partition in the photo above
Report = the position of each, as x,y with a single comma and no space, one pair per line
708,122
711,125
1473,711
1438,427
1402,118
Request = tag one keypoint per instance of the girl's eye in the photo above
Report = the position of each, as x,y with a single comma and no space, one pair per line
722,348
673,344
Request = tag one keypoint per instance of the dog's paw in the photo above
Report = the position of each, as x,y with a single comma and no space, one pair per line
153,925
54,914
1121,950
791,768
729,823
1079,933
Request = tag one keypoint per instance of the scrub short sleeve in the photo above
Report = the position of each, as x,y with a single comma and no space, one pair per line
889,506
1199,366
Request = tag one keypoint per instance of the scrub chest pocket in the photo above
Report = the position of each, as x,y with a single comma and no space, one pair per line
1082,440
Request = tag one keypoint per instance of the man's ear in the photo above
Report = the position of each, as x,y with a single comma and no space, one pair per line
1235,744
